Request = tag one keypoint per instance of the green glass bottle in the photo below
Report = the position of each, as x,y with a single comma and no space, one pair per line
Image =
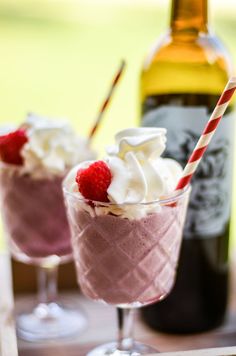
181,81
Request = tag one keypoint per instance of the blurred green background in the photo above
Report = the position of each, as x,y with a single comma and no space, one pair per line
58,57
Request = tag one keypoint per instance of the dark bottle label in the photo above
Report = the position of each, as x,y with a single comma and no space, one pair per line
210,202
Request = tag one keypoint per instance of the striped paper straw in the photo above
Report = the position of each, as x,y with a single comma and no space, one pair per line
207,134
108,99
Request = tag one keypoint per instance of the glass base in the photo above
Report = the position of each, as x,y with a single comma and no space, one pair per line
50,322
111,350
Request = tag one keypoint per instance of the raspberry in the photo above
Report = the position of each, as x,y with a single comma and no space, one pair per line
94,181
11,145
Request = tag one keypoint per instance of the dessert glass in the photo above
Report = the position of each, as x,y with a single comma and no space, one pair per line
126,262
35,221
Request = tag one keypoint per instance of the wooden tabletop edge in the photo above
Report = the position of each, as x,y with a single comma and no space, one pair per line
220,351
8,341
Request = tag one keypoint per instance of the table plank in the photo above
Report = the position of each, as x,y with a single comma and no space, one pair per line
8,343
223,351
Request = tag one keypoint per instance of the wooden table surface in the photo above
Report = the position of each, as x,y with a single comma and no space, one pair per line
8,346
102,328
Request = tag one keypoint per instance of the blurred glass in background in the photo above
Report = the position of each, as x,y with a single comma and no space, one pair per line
58,57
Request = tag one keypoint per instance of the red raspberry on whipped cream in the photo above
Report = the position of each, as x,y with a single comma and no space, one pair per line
94,181
11,145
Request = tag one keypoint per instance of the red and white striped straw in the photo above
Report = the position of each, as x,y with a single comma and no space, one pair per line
207,134
108,99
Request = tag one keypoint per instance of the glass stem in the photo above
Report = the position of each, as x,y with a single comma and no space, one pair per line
125,328
47,284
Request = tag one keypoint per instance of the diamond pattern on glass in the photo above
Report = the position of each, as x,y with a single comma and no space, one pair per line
165,278
125,261
110,262
137,243
111,229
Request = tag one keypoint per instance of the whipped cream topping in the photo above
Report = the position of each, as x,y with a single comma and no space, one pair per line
139,174
52,148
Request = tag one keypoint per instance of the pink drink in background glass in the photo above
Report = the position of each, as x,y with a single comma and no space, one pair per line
34,215
35,158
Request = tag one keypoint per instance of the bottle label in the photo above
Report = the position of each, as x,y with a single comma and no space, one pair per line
210,202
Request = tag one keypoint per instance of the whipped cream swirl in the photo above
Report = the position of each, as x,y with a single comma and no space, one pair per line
52,148
139,173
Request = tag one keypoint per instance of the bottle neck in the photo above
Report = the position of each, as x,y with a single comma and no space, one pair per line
189,16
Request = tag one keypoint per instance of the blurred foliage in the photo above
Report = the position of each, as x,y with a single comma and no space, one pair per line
58,57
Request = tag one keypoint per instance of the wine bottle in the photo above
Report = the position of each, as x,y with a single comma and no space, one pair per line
181,81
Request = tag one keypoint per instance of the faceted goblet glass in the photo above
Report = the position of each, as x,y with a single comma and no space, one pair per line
126,255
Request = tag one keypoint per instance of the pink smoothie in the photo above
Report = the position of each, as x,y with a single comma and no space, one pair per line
34,214
123,261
